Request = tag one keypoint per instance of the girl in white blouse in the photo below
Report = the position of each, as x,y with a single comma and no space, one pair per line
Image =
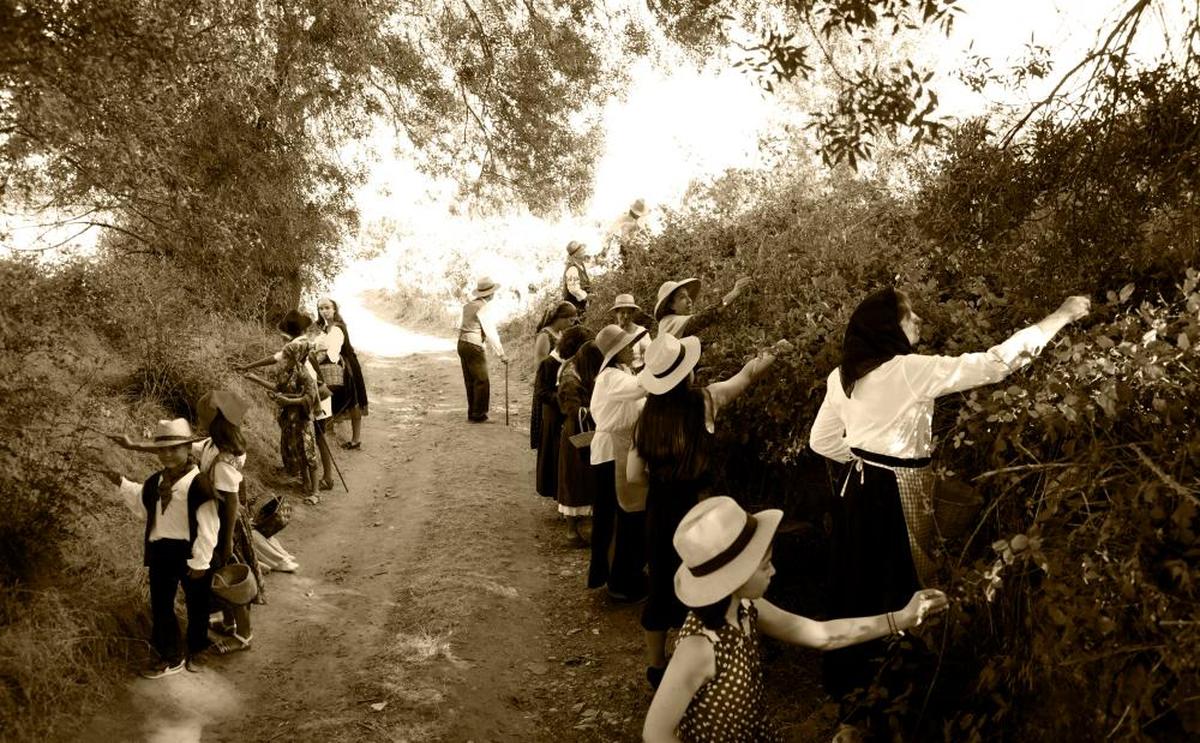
878,414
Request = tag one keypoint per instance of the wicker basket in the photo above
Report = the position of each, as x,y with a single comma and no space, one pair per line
956,507
333,374
234,584
273,516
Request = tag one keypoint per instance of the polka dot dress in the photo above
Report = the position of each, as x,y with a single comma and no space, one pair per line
730,707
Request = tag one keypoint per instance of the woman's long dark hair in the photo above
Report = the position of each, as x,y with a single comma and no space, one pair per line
873,336
587,362
712,616
226,436
669,434
557,312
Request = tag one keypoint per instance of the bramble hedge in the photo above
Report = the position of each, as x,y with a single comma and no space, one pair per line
1075,591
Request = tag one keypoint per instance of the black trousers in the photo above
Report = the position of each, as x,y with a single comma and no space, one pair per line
619,531
475,378
168,569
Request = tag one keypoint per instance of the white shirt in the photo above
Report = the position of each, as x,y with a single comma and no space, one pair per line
891,409
639,347
573,284
225,477
173,523
490,335
330,341
617,400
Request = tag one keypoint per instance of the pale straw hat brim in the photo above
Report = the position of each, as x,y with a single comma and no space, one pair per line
487,292
628,340
661,385
662,306
696,591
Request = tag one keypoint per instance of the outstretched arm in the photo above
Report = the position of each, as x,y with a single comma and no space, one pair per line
260,381
727,391
265,361
839,633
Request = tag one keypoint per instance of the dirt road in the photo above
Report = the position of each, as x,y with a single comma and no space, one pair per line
438,600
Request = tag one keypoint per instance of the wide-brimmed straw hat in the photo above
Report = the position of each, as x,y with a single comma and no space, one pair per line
668,360
612,338
663,305
721,546
638,208
167,433
485,287
624,302
574,247
227,403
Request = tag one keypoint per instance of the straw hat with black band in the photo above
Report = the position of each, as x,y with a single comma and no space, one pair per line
485,287
574,247
663,306
668,361
612,339
721,546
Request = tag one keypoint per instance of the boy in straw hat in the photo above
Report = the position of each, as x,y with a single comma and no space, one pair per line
675,308
713,688
626,310
182,525
475,328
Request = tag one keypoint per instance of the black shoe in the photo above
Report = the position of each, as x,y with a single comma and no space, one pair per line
627,598
655,676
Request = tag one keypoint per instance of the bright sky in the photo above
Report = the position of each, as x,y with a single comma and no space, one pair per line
677,125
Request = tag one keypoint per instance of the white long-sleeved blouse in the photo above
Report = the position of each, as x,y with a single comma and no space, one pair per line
891,409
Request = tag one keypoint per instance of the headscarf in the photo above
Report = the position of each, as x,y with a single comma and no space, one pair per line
337,314
873,337
557,312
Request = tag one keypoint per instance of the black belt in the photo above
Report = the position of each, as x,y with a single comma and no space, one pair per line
886,461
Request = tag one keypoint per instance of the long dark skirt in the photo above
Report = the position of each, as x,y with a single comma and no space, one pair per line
576,482
547,456
353,390
619,532
535,424
872,571
666,505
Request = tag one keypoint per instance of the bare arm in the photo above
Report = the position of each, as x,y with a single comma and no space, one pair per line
726,391
840,633
690,668
260,381
265,361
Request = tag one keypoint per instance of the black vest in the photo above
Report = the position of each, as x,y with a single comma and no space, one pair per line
199,493
585,282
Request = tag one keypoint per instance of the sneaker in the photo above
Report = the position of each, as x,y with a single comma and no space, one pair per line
162,669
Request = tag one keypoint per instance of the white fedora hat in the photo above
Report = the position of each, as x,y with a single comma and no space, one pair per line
667,362
485,287
638,208
666,290
721,546
611,339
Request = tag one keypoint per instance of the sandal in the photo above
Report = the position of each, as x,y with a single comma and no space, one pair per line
231,644
352,445
219,626
326,485
312,500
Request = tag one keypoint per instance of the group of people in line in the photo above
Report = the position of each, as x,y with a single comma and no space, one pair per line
625,435
199,534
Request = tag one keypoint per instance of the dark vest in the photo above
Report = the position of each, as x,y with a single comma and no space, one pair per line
199,493
585,282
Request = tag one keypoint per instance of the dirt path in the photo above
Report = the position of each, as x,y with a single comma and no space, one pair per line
438,600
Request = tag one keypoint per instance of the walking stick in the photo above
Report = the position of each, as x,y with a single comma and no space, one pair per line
335,466
506,394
